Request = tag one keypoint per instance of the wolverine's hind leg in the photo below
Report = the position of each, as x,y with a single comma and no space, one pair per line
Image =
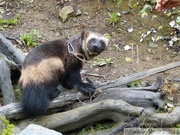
53,93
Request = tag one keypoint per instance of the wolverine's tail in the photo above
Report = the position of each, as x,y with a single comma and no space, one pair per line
35,99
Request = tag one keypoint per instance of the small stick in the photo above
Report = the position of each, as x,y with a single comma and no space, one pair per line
17,41
95,75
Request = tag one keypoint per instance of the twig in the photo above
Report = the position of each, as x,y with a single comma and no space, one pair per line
95,75
16,40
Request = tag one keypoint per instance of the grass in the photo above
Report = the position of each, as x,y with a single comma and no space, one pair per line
95,127
113,18
6,126
7,23
29,39
100,61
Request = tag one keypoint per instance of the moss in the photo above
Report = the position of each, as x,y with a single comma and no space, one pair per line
6,126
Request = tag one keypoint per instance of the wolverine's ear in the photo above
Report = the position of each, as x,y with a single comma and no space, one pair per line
84,34
106,39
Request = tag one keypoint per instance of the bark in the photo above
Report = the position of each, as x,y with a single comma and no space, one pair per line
136,97
113,100
6,66
8,49
137,76
116,110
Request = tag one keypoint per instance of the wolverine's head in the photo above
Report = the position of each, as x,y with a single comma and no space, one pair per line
93,43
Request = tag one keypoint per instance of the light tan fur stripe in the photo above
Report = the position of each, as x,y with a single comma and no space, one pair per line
43,72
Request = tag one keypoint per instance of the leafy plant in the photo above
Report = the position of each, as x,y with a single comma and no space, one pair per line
6,126
113,18
17,93
9,23
178,20
93,128
101,61
133,84
145,8
29,39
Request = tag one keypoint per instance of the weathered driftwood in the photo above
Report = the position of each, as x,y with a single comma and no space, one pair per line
115,110
137,76
15,110
8,49
134,96
6,66
133,105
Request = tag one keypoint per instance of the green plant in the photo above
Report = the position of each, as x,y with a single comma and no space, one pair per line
178,126
119,2
113,18
6,126
29,39
101,61
9,23
134,84
95,127
145,8
17,93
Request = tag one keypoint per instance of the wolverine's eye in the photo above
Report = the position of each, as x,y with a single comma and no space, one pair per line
103,45
91,41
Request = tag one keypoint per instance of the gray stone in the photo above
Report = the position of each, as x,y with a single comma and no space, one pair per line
66,12
78,12
153,45
33,129
1,16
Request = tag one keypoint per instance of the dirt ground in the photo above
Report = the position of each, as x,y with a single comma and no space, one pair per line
42,15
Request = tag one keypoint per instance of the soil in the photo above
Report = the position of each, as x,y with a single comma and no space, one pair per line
42,15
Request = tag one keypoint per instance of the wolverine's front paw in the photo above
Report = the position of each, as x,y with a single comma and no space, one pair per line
87,88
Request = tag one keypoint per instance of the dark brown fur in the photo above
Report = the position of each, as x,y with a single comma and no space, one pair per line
49,65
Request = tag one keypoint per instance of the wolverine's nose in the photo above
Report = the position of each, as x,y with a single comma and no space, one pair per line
95,46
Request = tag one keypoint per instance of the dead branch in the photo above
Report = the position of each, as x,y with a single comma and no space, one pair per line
106,105
154,100
133,96
6,66
8,49
137,76
115,110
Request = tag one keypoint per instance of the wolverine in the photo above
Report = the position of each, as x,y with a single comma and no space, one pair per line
57,63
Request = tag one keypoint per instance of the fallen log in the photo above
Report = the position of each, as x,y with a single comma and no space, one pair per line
14,111
137,76
115,110
137,105
8,69
8,49
134,96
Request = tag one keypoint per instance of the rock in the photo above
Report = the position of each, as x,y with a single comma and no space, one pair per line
125,12
127,47
57,34
2,3
1,17
15,131
172,23
86,13
66,12
159,133
33,129
78,12
130,29
153,45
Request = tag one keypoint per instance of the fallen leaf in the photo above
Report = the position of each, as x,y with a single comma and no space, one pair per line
128,59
